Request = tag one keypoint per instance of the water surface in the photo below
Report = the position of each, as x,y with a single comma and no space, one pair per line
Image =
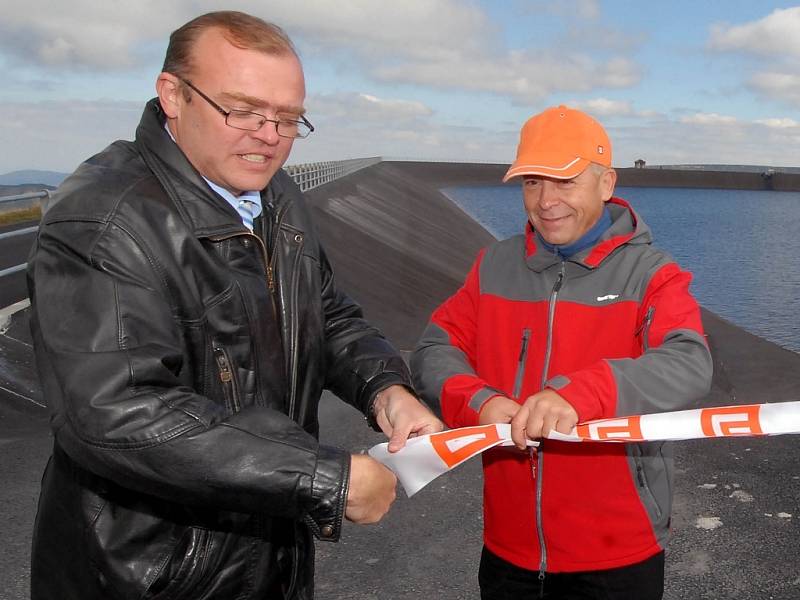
742,246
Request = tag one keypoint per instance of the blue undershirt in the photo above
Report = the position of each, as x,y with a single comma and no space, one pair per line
587,240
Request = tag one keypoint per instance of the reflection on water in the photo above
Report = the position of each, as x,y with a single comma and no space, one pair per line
742,246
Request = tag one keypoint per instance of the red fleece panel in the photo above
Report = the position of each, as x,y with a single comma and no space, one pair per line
602,250
675,308
571,471
592,392
456,394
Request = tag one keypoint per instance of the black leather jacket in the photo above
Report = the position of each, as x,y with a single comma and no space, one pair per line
183,358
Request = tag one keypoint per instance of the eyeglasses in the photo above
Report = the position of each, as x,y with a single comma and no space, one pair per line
253,121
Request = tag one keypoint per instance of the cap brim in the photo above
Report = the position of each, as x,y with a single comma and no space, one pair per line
527,166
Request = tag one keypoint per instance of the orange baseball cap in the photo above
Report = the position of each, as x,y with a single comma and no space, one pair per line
560,142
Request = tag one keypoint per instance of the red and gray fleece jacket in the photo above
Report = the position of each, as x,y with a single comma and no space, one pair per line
615,331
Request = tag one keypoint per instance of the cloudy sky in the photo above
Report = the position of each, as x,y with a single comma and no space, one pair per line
700,81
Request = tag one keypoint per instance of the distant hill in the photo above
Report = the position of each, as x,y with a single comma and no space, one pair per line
48,178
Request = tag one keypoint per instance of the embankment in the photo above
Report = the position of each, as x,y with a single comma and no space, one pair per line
397,244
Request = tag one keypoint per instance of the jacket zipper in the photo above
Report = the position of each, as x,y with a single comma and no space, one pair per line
539,456
523,354
298,238
271,254
272,234
645,327
270,258
226,377
517,391
638,461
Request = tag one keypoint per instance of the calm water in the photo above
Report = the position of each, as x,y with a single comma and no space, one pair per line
742,246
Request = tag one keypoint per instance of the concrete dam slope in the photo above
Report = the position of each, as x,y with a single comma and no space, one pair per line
396,243
399,246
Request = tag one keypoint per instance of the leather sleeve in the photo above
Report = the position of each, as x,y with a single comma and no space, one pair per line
443,361
360,360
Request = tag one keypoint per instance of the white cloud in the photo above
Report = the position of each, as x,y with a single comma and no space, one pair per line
779,123
774,43
353,125
438,29
446,44
780,86
588,10
366,107
524,76
82,33
603,107
776,35
707,139
708,119
86,33
58,135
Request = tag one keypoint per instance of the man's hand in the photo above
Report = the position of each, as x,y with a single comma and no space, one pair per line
498,409
539,414
371,491
401,416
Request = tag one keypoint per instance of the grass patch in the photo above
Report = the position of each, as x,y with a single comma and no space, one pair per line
10,217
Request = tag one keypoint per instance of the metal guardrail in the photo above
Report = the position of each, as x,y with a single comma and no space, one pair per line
307,176
24,231
16,232
26,196
311,175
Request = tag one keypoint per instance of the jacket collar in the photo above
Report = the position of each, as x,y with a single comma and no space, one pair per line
626,228
202,209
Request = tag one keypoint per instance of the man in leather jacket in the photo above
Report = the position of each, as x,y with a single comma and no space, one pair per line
185,321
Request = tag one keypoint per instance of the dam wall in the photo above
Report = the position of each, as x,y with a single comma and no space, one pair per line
455,174
397,244
724,180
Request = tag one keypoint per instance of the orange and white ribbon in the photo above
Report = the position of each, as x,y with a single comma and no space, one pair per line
424,458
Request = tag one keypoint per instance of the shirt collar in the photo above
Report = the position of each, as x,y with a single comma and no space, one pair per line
585,241
247,204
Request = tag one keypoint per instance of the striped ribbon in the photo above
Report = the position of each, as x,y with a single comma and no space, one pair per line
424,458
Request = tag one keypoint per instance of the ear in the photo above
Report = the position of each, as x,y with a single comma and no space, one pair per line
169,94
608,180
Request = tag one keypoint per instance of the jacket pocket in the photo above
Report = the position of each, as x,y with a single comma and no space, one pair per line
523,355
644,328
227,377
642,483
183,576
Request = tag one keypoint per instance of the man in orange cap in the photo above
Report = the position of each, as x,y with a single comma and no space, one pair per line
578,318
